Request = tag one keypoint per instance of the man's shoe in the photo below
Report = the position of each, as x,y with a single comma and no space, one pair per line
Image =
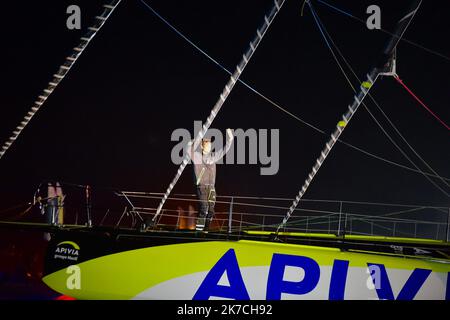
200,226
143,227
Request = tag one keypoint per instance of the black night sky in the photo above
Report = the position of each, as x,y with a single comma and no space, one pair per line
109,122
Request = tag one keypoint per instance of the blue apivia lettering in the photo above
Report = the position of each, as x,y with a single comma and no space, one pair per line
338,280
409,290
210,287
275,283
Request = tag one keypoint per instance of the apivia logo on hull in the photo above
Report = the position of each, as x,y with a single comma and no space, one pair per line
253,270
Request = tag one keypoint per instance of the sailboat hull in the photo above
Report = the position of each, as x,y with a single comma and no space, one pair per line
192,266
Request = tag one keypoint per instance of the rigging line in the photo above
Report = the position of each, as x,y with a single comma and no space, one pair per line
62,72
371,78
435,174
392,162
404,154
406,141
342,141
236,204
278,106
401,212
253,45
386,31
323,28
420,101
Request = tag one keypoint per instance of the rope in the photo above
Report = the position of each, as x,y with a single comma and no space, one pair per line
421,102
365,87
62,72
372,77
384,30
260,32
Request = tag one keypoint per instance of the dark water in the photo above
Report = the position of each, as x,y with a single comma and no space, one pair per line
22,255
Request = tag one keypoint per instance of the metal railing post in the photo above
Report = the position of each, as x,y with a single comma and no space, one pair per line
240,224
329,224
437,231
345,226
351,225
88,206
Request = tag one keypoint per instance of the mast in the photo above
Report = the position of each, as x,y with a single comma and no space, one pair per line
260,32
62,71
366,85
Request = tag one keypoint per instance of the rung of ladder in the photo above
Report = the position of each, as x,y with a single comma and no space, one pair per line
93,29
78,49
58,76
71,58
65,67
100,18
85,39
351,109
52,84
42,97
108,6
48,91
